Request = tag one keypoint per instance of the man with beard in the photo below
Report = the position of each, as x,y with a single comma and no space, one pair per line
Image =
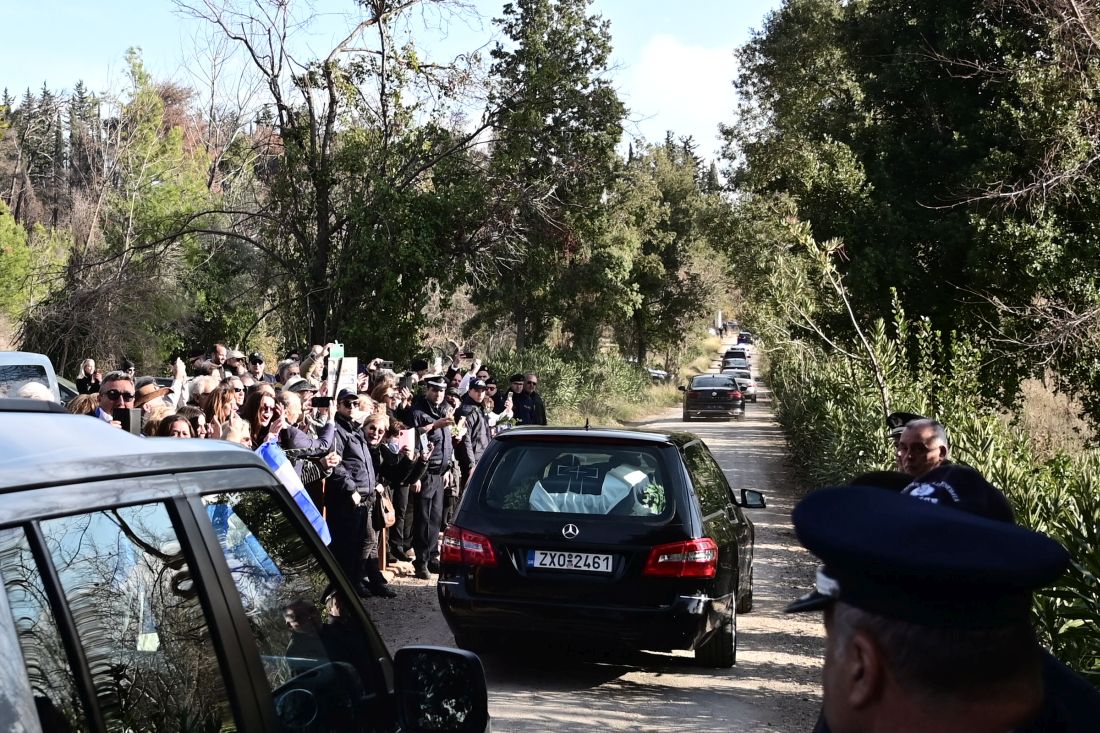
431,421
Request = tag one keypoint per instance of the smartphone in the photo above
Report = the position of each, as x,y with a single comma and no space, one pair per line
129,418
385,365
467,355
321,401
406,381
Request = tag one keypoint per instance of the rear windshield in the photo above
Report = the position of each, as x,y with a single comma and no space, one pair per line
567,478
712,382
14,376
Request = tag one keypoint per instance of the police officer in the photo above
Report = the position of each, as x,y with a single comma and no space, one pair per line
927,614
431,421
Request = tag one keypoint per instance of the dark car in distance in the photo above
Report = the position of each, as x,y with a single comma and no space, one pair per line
713,395
605,538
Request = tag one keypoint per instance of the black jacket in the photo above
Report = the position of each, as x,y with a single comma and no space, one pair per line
477,432
422,413
529,409
356,469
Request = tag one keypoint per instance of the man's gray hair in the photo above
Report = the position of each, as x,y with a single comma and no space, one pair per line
937,427
115,376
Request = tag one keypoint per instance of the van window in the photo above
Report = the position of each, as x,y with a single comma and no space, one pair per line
312,643
55,694
14,376
139,619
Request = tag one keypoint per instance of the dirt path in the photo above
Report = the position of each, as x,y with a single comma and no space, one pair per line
776,683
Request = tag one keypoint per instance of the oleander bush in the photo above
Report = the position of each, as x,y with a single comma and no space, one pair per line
832,410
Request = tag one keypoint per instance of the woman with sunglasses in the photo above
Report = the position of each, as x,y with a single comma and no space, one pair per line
263,415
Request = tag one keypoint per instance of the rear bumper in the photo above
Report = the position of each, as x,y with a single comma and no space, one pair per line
684,623
725,412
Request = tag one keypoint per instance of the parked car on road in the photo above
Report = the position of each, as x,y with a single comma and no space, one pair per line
712,395
629,539
738,352
735,364
744,380
745,338
160,584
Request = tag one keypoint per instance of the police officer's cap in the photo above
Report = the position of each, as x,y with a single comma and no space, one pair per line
435,381
477,384
897,421
910,560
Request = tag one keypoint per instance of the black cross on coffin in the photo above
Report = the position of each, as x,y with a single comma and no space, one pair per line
580,473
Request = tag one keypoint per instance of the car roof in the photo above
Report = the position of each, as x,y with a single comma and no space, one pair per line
539,432
43,448
25,357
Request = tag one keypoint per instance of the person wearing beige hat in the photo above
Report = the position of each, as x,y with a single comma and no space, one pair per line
148,394
234,363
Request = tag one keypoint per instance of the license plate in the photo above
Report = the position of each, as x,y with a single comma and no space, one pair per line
585,562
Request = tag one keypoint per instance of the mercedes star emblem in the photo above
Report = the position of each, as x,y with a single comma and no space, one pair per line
570,531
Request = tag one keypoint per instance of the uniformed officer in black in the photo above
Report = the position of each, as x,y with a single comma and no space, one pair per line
349,497
927,615
430,419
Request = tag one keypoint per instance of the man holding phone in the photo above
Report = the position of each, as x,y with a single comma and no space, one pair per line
116,392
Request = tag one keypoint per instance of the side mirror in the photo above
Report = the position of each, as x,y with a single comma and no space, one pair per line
752,499
682,388
440,689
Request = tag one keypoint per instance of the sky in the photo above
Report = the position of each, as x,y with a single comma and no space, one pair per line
673,62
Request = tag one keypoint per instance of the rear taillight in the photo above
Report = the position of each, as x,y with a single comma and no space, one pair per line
735,395
693,393
691,559
466,547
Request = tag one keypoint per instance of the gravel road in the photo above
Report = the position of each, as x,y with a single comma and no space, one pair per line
775,685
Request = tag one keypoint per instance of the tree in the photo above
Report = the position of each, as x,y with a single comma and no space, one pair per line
899,128
353,144
558,123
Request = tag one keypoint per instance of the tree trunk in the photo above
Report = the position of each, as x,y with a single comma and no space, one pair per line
640,343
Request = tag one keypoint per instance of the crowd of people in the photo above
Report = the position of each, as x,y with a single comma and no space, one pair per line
386,461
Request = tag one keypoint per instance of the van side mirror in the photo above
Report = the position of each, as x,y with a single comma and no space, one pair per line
682,388
752,499
439,689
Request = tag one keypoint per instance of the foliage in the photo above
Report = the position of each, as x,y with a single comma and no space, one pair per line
949,147
576,385
557,125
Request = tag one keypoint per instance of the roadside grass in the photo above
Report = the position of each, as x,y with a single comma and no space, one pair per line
606,391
